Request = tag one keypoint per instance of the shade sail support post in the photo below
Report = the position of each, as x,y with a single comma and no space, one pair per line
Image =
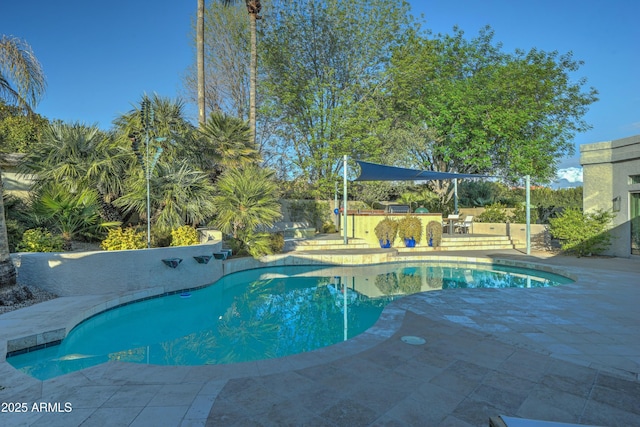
344,193
528,211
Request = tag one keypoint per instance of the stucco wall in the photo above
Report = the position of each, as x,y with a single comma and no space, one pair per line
104,272
607,167
363,226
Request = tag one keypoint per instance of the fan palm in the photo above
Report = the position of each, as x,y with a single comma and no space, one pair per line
21,81
225,143
179,195
73,215
246,202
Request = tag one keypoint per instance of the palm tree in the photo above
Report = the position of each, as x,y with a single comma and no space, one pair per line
180,194
253,8
78,157
21,81
246,203
200,62
225,143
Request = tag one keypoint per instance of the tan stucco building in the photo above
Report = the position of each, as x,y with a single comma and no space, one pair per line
611,175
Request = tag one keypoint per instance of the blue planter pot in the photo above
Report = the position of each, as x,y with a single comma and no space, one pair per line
385,244
410,243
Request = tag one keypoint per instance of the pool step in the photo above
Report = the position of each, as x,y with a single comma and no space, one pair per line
471,242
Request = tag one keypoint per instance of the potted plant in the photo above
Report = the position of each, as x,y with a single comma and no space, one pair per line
434,233
386,232
410,229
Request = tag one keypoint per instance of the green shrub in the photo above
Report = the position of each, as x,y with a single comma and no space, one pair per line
519,214
121,239
184,236
15,230
253,243
329,227
495,213
582,234
40,240
276,242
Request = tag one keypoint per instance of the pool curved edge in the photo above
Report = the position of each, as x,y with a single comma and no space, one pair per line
53,322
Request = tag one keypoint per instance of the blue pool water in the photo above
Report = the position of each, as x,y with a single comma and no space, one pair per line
258,314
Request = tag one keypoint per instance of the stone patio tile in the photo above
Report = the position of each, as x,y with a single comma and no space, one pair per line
108,417
175,394
461,377
547,404
598,413
73,418
90,396
132,395
154,416
347,412
200,408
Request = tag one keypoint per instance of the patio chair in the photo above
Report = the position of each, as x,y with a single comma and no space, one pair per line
448,224
466,225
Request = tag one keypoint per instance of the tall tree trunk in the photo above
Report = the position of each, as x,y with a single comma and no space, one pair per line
7,269
253,70
200,62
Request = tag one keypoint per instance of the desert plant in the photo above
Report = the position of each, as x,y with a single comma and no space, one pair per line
386,230
582,233
434,233
184,236
40,240
410,227
121,239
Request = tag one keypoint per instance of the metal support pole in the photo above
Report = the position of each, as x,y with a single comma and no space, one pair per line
344,195
335,205
455,196
528,213
148,171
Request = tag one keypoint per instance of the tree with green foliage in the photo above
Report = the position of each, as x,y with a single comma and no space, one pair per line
475,109
19,131
322,64
21,82
246,203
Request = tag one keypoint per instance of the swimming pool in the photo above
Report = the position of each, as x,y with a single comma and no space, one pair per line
259,314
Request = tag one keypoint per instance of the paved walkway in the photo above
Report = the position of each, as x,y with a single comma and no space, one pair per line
566,354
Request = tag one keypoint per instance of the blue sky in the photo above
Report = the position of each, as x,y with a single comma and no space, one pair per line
100,57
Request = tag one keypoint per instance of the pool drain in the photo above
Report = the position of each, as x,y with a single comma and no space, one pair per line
409,339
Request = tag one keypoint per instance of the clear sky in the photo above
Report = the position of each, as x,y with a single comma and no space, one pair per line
100,57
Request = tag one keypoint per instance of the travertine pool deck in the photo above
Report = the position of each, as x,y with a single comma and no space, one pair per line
567,354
